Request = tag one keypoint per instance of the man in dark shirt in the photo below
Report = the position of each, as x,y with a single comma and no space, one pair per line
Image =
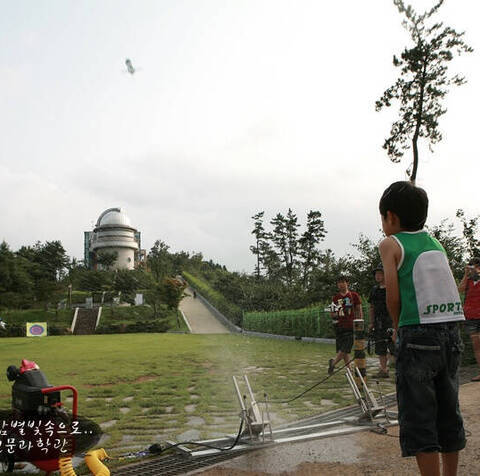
380,321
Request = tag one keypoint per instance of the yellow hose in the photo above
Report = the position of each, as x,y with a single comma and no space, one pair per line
93,458
65,466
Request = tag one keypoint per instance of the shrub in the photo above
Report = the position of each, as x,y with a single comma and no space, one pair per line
159,325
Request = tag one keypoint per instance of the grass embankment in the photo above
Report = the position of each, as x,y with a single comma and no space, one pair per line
230,310
145,388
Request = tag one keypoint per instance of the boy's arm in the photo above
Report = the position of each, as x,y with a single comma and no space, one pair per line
372,317
463,283
390,253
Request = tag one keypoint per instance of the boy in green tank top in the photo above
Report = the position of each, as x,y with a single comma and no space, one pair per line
425,307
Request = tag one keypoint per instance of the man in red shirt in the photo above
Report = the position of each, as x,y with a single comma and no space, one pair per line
470,285
351,308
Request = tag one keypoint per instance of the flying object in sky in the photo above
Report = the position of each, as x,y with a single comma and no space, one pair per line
129,65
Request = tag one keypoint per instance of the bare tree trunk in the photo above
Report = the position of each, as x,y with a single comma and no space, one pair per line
413,175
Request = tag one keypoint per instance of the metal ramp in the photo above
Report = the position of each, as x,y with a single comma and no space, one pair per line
367,415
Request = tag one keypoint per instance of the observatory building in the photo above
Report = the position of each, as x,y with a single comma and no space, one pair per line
113,236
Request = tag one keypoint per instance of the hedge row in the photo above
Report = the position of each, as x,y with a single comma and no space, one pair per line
16,330
309,322
160,325
231,311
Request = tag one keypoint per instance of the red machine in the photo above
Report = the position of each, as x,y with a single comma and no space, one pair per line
35,400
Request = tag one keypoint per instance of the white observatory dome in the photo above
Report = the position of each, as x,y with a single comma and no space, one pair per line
113,233
115,217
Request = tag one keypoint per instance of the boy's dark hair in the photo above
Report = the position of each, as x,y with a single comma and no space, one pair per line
475,261
342,278
408,202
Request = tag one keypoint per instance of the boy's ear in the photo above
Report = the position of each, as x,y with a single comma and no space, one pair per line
392,218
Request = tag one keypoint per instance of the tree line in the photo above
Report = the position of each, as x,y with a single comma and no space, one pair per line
292,269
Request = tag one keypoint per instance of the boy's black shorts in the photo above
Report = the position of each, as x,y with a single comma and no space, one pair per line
383,342
427,363
344,339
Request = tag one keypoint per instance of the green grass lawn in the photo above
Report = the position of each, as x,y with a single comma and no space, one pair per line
145,388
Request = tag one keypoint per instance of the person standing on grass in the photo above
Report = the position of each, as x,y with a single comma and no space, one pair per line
470,285
380,321
350,308
423,301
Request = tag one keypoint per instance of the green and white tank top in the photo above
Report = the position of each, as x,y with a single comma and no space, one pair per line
428,292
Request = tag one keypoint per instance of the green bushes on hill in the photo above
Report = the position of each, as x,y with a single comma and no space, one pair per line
231,311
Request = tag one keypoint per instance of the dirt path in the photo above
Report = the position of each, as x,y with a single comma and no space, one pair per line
199,317
354,455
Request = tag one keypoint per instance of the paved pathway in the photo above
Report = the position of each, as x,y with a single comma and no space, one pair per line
201,320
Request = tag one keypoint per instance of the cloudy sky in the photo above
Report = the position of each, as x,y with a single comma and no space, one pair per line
238,106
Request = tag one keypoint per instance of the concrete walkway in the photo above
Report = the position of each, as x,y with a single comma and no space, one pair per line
200,319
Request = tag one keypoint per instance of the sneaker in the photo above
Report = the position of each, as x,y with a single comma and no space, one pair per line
331,367
381,374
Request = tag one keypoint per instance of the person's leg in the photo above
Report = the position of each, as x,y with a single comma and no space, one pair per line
346,359
476,350
418,360
340,355
383,363
333,362
450,463
381,351
428,464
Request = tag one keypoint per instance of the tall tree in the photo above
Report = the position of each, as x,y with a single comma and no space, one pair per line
470,232
360,267
307,244
279,237
423,83
284,236
270,260
259,233
454,245
159,260
292,226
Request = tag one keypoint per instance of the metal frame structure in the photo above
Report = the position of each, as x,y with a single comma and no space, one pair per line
259,434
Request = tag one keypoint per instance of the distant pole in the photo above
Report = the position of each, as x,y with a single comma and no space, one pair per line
359,350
